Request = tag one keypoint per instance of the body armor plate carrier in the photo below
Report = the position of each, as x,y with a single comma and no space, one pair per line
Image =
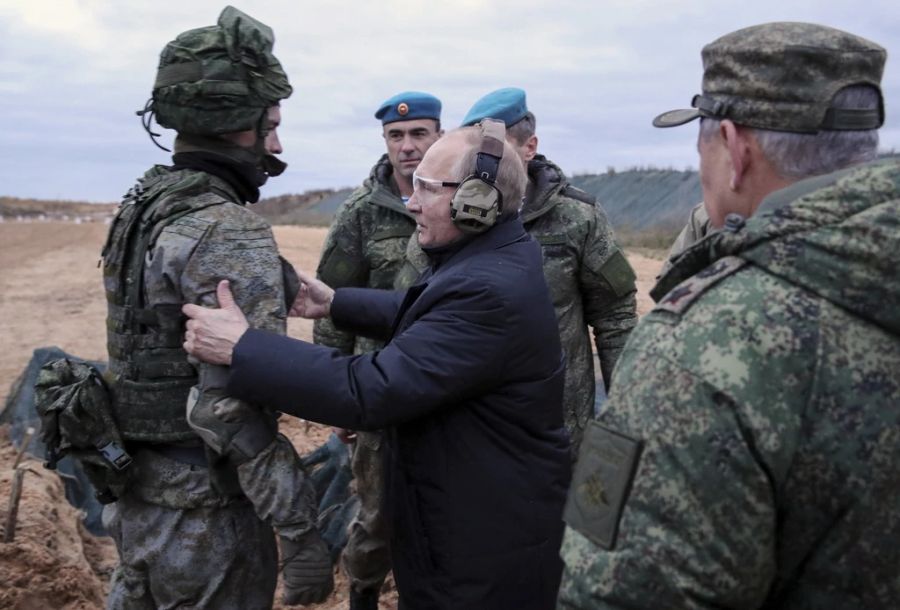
149,376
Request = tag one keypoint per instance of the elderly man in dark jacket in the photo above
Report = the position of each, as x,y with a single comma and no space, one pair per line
469,385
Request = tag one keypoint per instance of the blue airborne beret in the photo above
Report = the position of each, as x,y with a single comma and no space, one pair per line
409,105
507,105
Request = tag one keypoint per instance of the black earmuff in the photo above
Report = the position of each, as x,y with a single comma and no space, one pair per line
477,202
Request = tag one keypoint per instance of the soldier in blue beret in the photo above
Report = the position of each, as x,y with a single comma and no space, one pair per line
590,280
365,247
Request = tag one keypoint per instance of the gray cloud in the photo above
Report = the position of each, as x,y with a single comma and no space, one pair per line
72,72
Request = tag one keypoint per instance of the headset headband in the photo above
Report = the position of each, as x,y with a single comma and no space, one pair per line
478,202
487,163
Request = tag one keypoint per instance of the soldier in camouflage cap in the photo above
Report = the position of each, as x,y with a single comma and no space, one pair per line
193,525
365,247
590,280
748,455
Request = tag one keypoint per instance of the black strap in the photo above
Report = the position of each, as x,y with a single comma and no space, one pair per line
852,119
836,119
710,107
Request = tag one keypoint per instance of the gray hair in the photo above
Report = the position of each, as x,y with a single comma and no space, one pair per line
522,129
511,177
801,155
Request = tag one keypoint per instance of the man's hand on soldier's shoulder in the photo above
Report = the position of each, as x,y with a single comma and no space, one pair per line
211,334
314,298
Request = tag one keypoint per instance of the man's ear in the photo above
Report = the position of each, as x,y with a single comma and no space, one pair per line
737,143
531,148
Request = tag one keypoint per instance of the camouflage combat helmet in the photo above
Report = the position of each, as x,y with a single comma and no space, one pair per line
218,79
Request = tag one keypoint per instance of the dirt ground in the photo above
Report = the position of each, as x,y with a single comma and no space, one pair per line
50,294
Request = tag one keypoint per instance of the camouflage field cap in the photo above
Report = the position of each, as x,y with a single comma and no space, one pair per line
219,79
783,77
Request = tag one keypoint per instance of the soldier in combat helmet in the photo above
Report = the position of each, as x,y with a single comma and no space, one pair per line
747,457
211,474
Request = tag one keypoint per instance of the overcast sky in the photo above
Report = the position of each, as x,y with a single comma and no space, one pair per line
72,73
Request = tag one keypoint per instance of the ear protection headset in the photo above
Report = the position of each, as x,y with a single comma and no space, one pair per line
478,202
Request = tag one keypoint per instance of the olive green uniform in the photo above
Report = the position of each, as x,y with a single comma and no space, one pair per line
365,247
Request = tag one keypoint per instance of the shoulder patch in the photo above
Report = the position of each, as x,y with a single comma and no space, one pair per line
617,272
606,466
339,270
680,298
579,195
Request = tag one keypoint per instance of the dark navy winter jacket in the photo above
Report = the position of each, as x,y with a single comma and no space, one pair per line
469,389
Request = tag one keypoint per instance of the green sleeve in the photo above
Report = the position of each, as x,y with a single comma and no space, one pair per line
343,263
697,526
607,285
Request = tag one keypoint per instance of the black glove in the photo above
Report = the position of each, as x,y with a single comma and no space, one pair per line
306,569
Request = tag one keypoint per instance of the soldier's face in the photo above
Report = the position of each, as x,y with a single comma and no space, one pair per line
431,207
247,139
273,144
407,142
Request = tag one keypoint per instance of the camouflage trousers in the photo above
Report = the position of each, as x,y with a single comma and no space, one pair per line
183,545
367,556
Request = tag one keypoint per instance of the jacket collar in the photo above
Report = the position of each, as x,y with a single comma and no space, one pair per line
545,179
384,189
498,236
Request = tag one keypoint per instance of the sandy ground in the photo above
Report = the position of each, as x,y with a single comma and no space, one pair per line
50,294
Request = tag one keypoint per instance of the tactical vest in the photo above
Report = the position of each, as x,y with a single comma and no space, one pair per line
149,376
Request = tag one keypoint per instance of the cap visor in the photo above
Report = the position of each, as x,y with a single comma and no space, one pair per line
674,118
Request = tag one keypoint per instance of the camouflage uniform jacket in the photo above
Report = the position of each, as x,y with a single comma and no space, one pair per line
590,282
365,247
189,257
766,395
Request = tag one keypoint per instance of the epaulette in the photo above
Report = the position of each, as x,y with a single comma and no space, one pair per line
579,195
680,298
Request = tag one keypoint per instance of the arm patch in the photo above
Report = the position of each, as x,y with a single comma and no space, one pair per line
339,270
618,274
601,483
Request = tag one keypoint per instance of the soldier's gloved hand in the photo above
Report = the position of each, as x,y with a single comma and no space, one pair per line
228,425
306,569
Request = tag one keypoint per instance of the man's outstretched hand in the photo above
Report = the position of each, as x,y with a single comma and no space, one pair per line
212,333
314,299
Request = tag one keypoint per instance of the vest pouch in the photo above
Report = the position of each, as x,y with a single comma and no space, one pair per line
73,404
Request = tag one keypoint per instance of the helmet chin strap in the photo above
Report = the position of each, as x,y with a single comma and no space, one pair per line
147,122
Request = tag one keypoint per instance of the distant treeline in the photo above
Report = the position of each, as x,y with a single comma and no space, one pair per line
15,207
647,206
636,201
